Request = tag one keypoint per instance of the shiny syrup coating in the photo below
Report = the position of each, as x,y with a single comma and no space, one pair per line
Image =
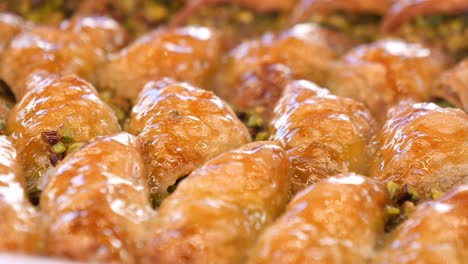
404,10
337,220
385,72
256,72
262,6
76,48
452,86
424,146
188,54
96,202
53,104
437,232
323,134
181,128
10,25
104,32
19,225
216,214
305,8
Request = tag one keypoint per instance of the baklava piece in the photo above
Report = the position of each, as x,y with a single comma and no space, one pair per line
181,128
19,228
337,220
55,115
95,203
323,134
188,54
217,213
383,73
423,148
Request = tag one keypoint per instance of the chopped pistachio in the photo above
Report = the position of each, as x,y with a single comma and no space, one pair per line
245,16
2,125
262,135
436,193
155,12
443,103
255,120
338,21
106,95
413,193
393,211
393,188
75,146
119,113
456,25
67,135
59,148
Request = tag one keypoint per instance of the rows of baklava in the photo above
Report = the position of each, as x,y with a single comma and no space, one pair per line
364,171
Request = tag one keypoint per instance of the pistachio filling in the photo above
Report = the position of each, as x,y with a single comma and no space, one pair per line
236,22
443,103
364,27
61,142
119,105
255,122
404,199
449,32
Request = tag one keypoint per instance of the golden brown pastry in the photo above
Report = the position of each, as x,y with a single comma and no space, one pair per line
405,10
323,134
186,54
19,225
256,72
452,86
217,213
337,220
10,25
181,128
423,146
437,232
76,48
55,113
103,32
383,73
306,8
261,6
95,203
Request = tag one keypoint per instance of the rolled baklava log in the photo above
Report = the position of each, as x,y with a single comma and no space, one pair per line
10,25
383,73
322,134
423,147
358,18
452,86
439,23
95,203
255,73
336,220
188,54
216,214
78,47
19,228
181,128
437,232
55,114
